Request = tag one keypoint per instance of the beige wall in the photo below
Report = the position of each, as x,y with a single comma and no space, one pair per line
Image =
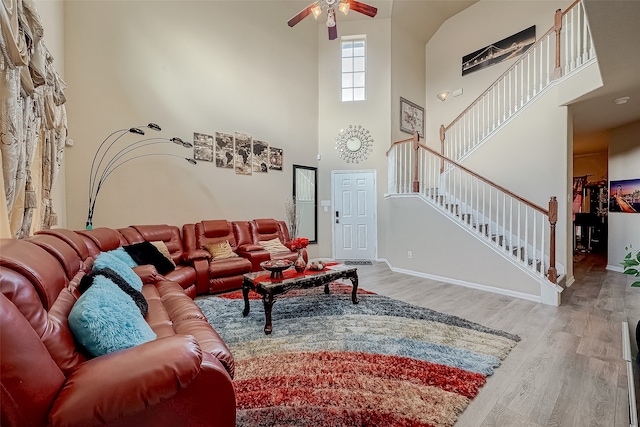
190,67
624,163
334,115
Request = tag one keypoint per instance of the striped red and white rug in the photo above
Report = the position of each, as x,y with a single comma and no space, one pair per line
328,362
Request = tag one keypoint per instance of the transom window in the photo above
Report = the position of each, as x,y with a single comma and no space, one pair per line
353,69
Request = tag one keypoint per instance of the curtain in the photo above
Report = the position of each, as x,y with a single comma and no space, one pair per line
33,125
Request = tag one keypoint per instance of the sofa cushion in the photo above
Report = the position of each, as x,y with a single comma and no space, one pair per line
87,281
220,250
146,253
274,246
105,319
123,256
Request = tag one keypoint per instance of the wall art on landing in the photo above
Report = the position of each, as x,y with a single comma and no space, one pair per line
275,158
260,156
500,51
202,147
242,154
411,117
624,196
224,150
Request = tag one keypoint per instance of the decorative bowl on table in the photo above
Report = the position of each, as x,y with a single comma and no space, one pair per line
316,265
276,267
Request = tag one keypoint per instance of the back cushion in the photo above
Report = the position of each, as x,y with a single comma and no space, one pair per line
64,253
30,378
264,229
169,234
71,238
214,231
102,240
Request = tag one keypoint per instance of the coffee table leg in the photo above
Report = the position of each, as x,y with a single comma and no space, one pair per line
326,289
267,299
354,292
245,295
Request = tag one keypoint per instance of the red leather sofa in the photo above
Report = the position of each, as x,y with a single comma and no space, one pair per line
183,377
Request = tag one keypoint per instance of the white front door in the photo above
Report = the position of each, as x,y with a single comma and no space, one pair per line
354,215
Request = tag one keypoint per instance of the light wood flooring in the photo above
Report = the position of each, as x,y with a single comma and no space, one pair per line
567,370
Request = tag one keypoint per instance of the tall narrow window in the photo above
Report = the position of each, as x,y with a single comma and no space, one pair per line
353,69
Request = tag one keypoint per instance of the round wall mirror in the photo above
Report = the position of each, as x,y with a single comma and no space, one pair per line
354,144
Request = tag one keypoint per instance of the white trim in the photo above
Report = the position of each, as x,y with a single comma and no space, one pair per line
615,268
485,288
626,355
570,281
375,207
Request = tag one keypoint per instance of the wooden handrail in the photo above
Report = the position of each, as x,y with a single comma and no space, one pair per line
478,176
571,7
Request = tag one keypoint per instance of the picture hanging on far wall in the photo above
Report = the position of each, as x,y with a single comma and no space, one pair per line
624,196
275,158
411,117
224,150
242,154
202,147
260,156
499,51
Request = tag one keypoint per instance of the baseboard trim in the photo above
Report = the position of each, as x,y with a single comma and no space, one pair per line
615,268
464,283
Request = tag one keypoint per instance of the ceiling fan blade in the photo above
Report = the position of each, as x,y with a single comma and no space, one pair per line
333,32
365,9
300,16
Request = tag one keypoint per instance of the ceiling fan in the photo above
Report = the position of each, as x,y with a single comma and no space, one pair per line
343,6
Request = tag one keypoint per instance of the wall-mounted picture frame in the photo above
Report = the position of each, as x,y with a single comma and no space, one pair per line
275,158
260,156
411,117
624,196
242,162
505,49
202,147
224,150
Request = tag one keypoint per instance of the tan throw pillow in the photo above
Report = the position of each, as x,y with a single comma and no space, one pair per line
162,248
221,250
274,246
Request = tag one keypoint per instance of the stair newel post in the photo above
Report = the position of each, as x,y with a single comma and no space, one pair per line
553,218
558,29
442,135
416,182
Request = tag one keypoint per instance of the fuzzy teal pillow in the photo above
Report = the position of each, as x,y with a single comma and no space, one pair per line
109,260
105,319
123,256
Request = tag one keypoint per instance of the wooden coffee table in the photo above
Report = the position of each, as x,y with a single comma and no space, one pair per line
268,288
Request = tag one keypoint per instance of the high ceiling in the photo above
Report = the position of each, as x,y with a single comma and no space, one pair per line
615,28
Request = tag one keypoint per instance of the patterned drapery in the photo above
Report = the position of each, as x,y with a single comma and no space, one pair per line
33,124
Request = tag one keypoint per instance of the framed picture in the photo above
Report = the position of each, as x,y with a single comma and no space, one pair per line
411,117
202,147
497,52
242,154
624,196
275,158
260,156
224,150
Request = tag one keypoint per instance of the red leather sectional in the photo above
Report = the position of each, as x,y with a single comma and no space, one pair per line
183,377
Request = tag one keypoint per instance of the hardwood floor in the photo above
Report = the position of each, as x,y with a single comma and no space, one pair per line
567,370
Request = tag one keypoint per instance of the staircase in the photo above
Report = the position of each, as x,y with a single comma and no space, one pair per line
512,226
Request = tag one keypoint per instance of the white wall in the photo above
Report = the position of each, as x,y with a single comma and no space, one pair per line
334,115
191,67
624,163
483,23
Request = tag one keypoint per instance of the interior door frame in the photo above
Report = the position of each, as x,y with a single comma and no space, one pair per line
375,207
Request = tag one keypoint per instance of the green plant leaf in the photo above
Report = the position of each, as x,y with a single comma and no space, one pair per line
632,271
629,263
636,284
638,256
627,256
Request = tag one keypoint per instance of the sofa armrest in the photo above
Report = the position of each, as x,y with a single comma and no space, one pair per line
148,274
250,247
195,254
114,386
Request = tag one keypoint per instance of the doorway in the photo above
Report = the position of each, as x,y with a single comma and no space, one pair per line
353,196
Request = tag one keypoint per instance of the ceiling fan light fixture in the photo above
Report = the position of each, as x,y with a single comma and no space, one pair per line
316,10
344,7
331,17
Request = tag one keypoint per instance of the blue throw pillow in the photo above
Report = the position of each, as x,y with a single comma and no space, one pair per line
123,256
105,319
109,260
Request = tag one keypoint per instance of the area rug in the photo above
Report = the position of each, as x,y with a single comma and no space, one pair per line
328,362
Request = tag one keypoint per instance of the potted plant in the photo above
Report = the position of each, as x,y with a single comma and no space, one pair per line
631,264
